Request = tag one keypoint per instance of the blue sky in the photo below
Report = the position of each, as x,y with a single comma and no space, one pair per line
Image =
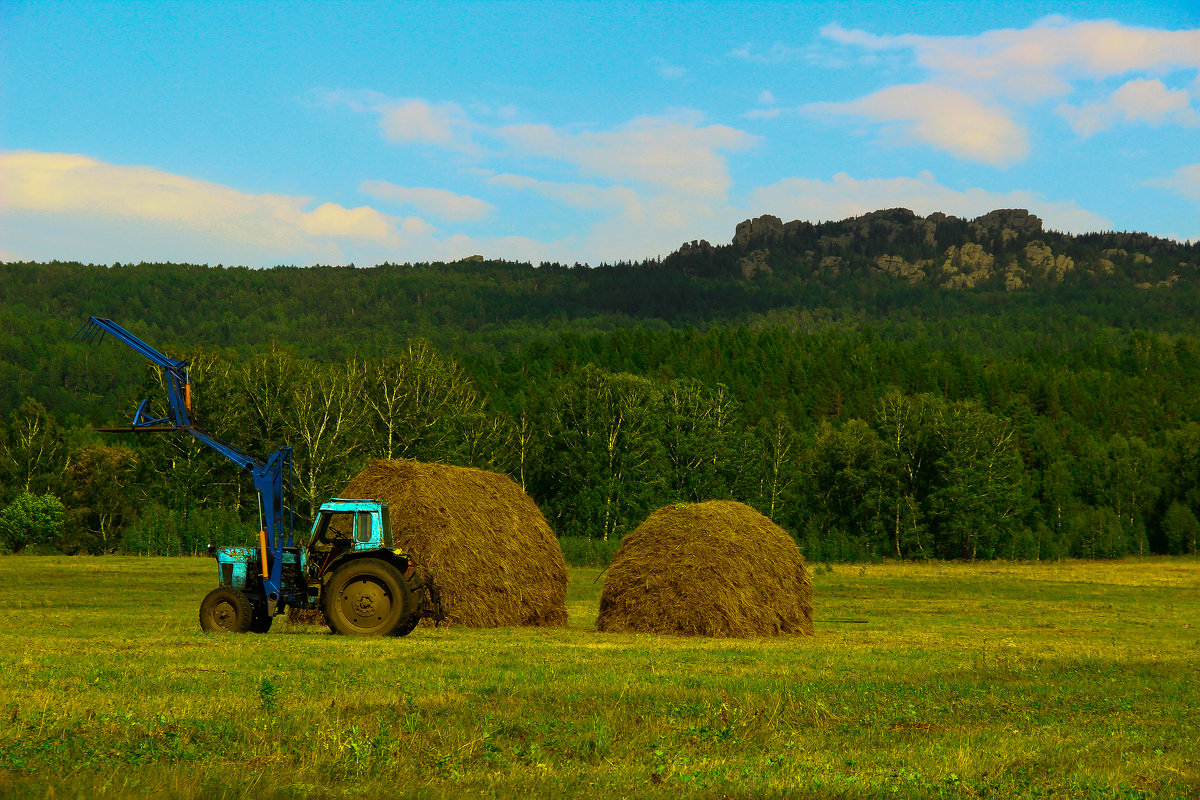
301,133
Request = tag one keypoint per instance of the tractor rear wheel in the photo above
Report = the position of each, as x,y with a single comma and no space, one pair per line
226,610
417,588
368,597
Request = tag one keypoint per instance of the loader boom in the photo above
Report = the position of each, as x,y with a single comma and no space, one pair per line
270,475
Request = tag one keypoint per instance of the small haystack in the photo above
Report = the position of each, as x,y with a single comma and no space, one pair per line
475,536
710,569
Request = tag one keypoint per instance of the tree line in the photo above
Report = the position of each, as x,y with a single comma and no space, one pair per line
863,446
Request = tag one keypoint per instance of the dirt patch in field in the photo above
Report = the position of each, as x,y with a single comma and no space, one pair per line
707,569
476,537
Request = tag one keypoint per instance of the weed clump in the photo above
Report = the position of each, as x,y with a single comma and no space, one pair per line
476,537
716,569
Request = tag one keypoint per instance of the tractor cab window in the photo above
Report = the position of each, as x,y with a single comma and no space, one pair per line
362,527
334,526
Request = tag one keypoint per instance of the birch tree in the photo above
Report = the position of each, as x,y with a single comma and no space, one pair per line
416,401
324,428
605,460
980,487
905,426
844,471
771,465
699,440
32,450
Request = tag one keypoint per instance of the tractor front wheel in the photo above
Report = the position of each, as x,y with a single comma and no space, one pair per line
368,597
226,610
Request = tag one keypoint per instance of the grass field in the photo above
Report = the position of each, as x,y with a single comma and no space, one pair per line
924,680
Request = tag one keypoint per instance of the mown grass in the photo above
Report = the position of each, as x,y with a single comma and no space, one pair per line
924,680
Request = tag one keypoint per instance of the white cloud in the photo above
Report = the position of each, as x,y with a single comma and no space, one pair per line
674,153
1043,59
217,222
63,182
412,120
1139,100
439,203
777,53
671,153
869,41
763,113
653,183
1003,69
334,221
1185,181
813,199
576,195
667,70
419,121
64,206
767,108
508,112
941,116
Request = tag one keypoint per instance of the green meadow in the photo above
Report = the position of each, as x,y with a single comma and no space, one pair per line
996,680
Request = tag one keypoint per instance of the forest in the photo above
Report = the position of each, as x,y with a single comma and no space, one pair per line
883,387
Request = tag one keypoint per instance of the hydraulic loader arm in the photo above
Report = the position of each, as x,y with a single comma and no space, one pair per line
268,475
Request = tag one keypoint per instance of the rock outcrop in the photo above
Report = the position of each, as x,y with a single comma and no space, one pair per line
1007,249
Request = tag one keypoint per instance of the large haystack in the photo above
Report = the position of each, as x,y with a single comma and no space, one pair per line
710,569
476,537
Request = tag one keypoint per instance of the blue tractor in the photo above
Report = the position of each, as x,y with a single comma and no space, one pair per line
349,567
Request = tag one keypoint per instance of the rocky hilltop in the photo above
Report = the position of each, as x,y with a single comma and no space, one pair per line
1007,248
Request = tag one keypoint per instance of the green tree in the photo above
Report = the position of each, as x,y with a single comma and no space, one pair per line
771,465
701,436
979,495
1122,474
1181,529
487,441
314,408
907,428
1181,471
604,463
32,449
1098,532
844,471
416,403
1060,503
265,383
102,497
179,471
526,445
1134,483
31,520
325,427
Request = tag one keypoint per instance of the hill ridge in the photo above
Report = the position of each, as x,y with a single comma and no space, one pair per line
1006,248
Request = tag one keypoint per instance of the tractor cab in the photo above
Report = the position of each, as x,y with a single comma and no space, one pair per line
351,525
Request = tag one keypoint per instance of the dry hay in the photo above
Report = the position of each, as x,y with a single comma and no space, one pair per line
476,537
709,569
305,616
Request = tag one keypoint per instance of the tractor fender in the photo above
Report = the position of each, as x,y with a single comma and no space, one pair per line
397,558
